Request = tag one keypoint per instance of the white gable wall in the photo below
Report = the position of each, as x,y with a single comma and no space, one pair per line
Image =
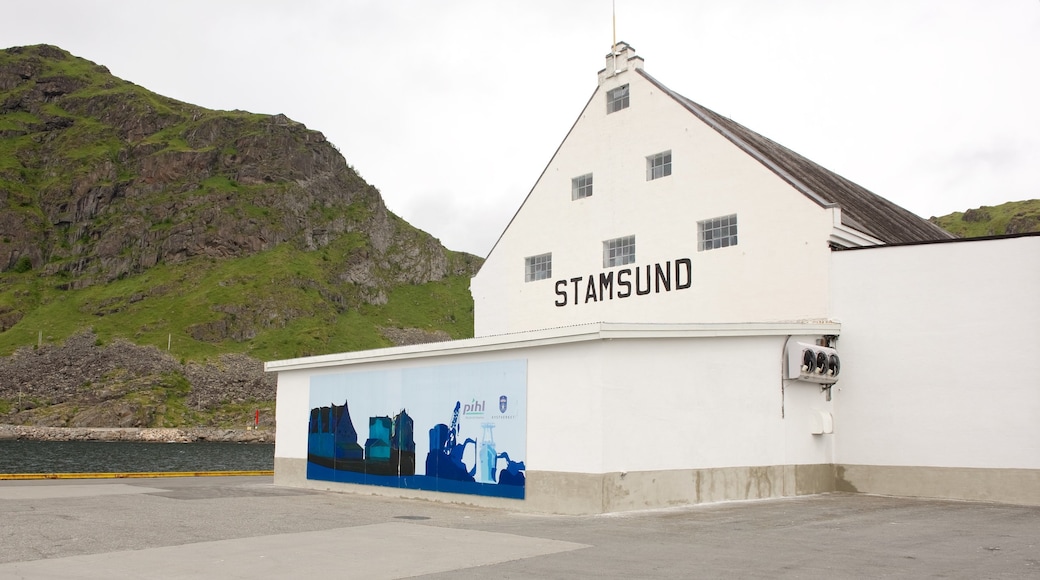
776,272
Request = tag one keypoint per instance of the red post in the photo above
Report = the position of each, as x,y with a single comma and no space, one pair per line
256,422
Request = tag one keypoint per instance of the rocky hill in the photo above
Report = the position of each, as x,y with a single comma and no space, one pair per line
1013,217
129,220
101,179
84,383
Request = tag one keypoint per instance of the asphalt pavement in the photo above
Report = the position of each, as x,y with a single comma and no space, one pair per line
246,527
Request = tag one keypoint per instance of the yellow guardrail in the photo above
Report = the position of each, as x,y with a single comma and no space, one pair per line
138,474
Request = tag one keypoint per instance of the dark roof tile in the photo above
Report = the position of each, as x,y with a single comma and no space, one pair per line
861,209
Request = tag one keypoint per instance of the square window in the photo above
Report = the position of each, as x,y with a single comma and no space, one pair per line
538,267
617,99
717,233
581,186
619,251
659,165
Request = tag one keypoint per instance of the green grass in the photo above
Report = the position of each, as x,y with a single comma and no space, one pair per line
10,147
238,415
445,305
163,305
17,120
169,399
171,138
992,220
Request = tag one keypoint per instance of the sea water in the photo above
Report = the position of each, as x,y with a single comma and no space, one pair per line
131,456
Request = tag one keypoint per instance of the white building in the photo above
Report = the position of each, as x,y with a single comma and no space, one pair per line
646,312
646,179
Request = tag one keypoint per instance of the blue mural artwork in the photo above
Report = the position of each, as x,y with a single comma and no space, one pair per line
449,403
332,442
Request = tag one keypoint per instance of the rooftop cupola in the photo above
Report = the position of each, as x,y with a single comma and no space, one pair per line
621,59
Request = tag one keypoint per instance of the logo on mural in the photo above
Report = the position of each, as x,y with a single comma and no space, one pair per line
503,403
475,408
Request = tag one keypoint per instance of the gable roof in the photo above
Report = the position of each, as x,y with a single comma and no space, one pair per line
861,209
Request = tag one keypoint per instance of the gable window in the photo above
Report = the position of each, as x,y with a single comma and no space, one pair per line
617,99
659,165
581,186
538,267
619,251
720,232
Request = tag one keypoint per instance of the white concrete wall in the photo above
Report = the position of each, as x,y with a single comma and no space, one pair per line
940,347
632,404
680,404
778,271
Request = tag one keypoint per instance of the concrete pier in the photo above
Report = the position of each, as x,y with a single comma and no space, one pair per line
246,527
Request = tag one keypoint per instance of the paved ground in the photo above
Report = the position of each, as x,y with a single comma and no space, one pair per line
245,527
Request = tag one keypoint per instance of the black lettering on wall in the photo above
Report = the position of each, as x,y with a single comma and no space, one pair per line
624,283
686,266
655,278
590,289
562,300
663,275
575,282
606,285
640,291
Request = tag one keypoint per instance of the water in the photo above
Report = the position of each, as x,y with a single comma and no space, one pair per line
131,456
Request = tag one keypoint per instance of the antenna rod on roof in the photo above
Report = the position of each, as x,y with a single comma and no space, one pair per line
613,31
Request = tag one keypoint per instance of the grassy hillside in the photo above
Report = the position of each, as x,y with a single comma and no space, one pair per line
205,307
1013,217
208,232
153,253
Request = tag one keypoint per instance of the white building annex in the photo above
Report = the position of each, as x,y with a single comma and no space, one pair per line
642,324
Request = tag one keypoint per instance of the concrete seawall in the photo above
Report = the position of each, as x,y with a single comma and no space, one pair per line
158,435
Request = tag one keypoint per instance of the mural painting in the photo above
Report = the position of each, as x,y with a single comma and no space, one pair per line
453,428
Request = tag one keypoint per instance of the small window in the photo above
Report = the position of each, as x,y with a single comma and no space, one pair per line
619,251
720,232
659,165
581,186
617,99
538,267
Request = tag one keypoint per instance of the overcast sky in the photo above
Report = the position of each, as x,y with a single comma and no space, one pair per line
452,108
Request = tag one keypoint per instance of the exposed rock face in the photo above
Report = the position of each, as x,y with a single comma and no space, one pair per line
83,384
1021,224
114,179
976,215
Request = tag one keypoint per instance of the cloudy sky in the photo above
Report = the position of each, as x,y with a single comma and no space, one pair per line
452,108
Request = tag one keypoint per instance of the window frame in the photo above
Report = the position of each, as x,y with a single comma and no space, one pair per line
619,251
580,184
659,165
618,99
717,233
532,271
